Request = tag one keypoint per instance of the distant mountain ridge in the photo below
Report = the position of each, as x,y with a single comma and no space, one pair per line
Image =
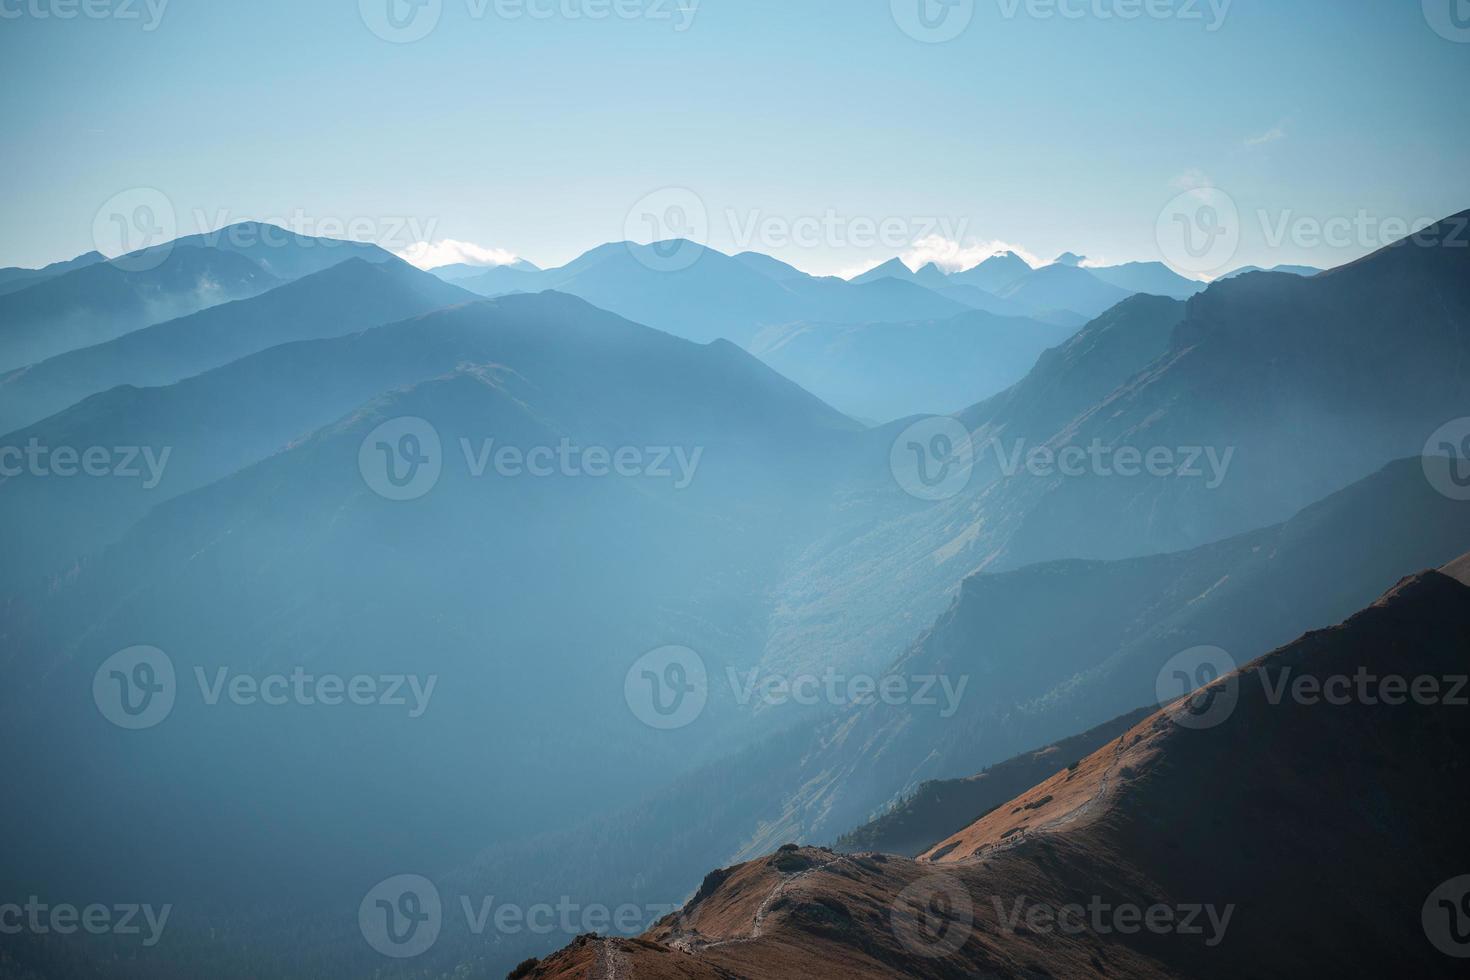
710,295
13,278
282,253
1154,278
1089,290
464,270
1293,270
339,299
98,302
91,301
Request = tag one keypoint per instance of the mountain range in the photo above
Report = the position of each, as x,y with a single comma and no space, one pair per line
1263,394
339,299
267,492
323,430
636,281
101,301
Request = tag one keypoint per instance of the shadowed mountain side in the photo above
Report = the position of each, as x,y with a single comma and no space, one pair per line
1034,677
95,303
1160,820
1082,371
296,561
937,807
923,820
1312,382
338,300
214,424
1273,392
821,776
892,370
899,552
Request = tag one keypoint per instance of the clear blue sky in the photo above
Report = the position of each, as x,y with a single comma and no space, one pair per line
538,135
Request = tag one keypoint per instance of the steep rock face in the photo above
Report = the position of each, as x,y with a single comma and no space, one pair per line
1158,855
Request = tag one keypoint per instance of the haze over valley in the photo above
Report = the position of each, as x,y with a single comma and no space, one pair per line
695,490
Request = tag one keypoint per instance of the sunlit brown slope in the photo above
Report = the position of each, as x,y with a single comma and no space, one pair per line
1294,838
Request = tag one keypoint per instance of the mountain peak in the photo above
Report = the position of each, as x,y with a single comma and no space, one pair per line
894,268
994,273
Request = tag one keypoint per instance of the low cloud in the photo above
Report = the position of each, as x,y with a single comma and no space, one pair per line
447,251
952,256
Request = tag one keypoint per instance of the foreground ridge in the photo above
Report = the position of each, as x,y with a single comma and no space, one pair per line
1134,861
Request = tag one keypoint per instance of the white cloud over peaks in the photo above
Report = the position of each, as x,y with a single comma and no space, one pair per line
447,251
952,256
